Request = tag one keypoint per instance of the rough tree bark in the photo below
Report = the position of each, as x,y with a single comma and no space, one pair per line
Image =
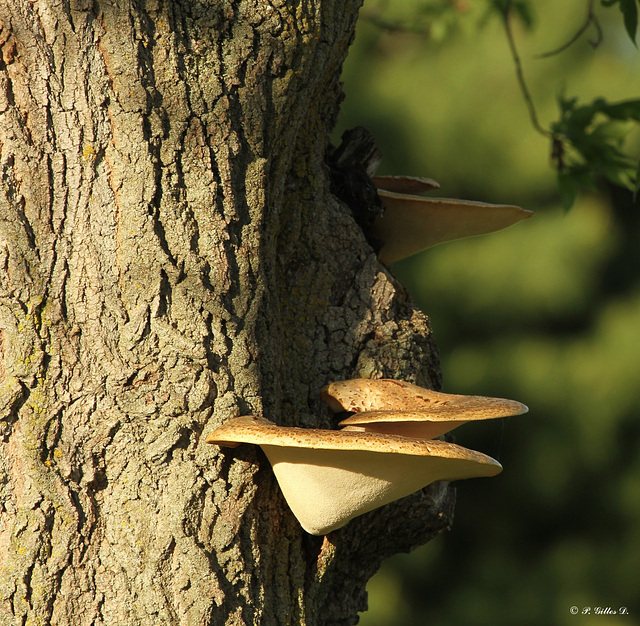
171,256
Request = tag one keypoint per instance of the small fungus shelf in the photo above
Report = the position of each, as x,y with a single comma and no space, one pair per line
411,223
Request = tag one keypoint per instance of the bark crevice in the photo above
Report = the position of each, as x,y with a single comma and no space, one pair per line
171,256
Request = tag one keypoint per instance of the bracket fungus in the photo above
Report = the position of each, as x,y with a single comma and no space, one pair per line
405,184
400,408
412,223
328,477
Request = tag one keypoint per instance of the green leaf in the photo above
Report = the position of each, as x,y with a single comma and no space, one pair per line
569,187
521,8
611,131
630,16
629,11
626,110
524,12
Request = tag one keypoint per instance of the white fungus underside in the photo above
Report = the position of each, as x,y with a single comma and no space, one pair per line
327,488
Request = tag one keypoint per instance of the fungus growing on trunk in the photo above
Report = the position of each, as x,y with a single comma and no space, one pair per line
413,223
328,477
400,408
405,184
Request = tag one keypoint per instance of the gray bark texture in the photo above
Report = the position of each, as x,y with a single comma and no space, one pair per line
171,256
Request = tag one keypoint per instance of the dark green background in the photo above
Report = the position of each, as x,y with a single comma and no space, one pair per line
547,312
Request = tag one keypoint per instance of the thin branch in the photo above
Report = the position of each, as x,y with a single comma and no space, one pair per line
520,73
591,19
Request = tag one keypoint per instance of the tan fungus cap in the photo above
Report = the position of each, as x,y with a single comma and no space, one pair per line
411,223
328,477
401,408
405,184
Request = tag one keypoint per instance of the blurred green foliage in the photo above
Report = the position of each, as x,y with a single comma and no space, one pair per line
595,133
629,10
547,312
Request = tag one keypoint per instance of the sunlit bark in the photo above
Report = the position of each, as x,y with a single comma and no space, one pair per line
171,256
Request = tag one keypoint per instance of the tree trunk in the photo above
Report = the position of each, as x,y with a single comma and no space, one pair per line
171,256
